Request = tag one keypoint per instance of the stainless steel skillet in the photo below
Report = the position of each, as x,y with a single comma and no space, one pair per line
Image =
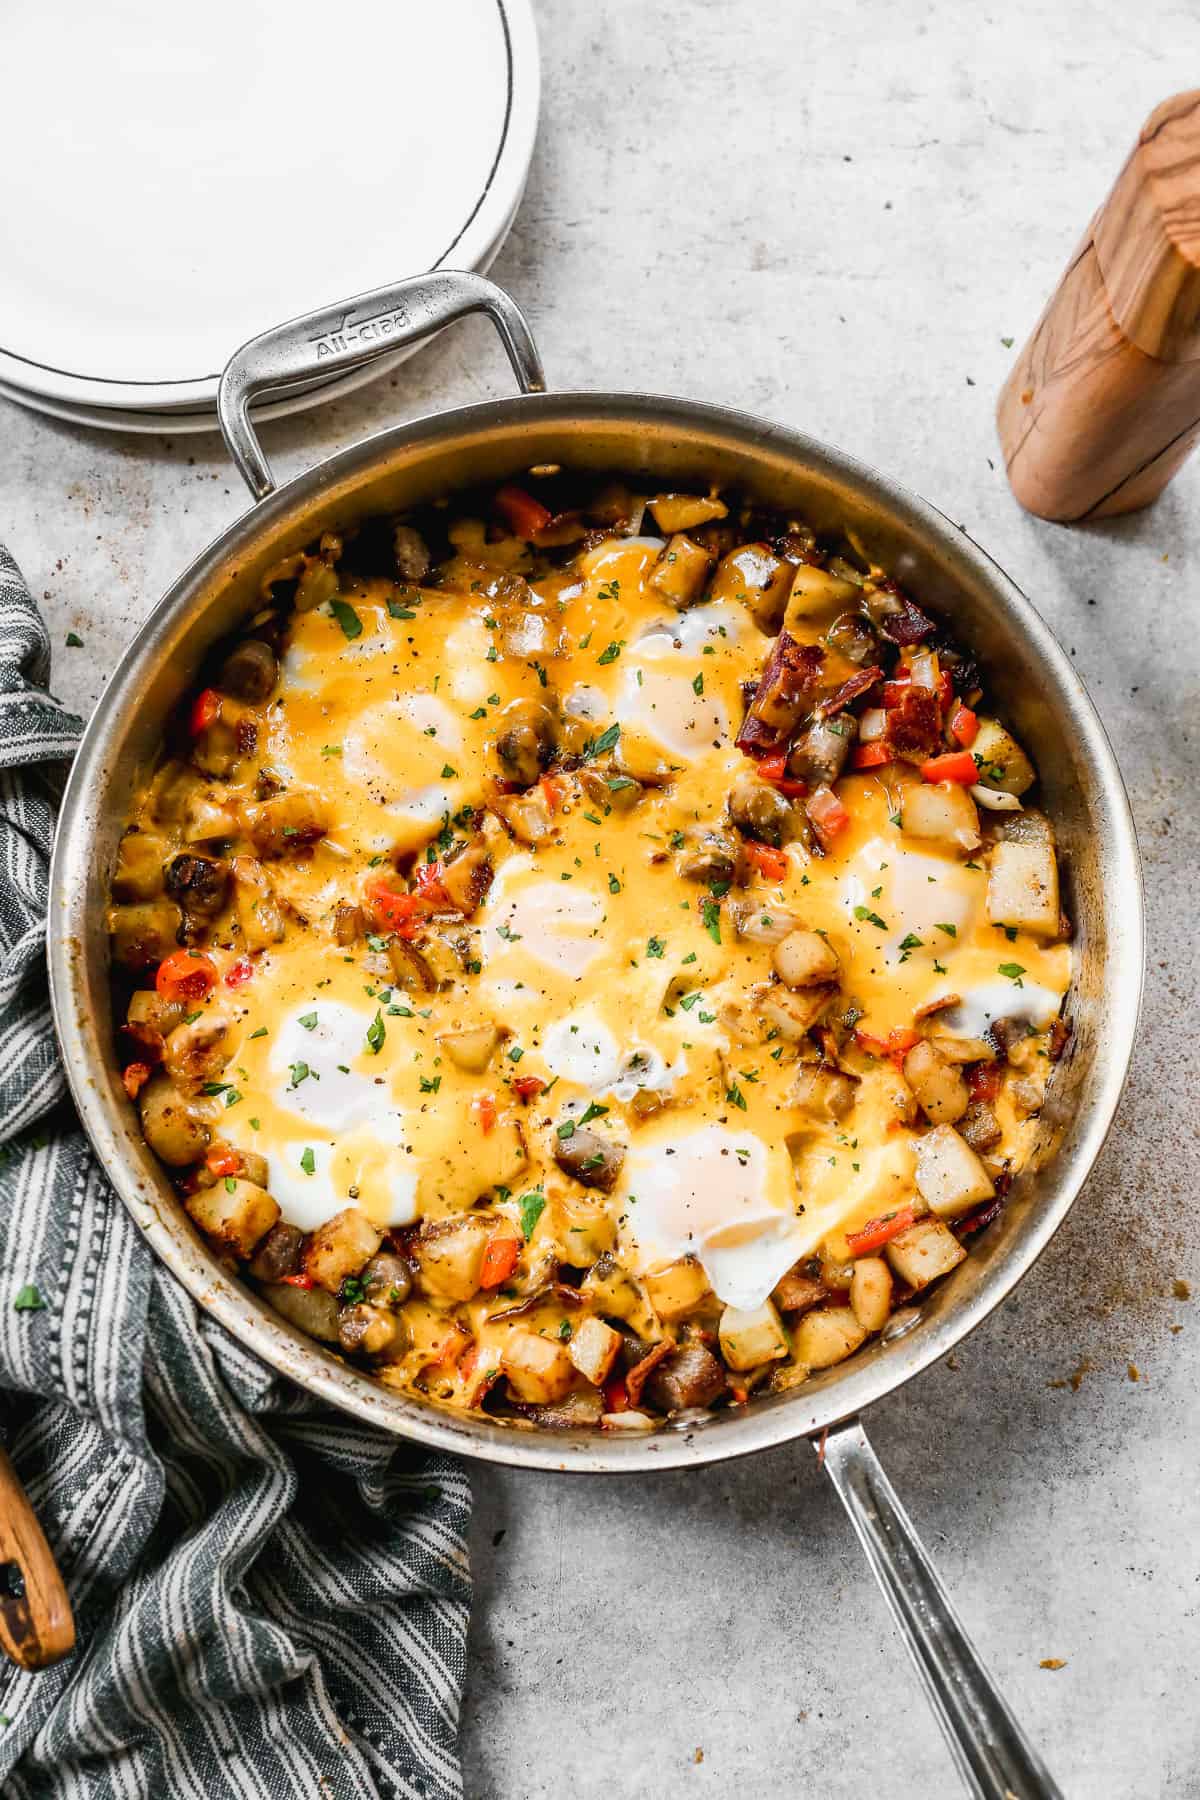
672,441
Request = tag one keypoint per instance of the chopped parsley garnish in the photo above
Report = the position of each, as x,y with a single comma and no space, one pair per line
710,912
870,918
515,1054
74,641
230,1185
448,773
539,671
376,1033
308,1162
614,886
531,1206
610,654
510,937
1014,971
346,617
950,930
735,1096
261,1032
656,946
331,749
309,1021
299,1072
29,1299
698,683
430,1084
593,1111
603,744
565,1130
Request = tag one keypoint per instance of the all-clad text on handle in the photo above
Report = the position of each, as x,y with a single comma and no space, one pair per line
344,336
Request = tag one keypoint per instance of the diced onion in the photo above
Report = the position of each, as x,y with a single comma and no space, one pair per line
994,800
925,669
872,725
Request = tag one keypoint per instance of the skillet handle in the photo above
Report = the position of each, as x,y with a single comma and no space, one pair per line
993,1755
337,338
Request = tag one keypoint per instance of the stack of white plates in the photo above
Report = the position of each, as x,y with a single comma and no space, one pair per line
177,179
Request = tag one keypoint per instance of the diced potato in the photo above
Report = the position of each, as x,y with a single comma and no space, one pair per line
751,1337
593,1348
310,1309
139,871
796,1290
937,1082
871,1292
823,1093
173,1124
197,1051
538,1369
813,591
1000,759
449,1256
1023,888
923,1252
758,579
585,1229
678,1288
790,1015
683,512
612,1290
467,876
340,1247
151,1009
827,1336
471,1050
236,1213
681,571
528,816
258,912
949,1174
941,813
803,959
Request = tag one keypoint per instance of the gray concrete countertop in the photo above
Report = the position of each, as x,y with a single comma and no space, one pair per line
836,217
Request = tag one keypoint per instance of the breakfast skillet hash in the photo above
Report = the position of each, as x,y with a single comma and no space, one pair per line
590,955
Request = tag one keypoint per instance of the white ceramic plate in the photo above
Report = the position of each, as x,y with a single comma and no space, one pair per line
210,171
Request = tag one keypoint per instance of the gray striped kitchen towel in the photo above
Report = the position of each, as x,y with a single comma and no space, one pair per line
271,1599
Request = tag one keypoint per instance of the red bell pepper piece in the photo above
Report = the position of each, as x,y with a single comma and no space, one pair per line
878,1232
186,975
485,1106
773,767
402,913
239,972
771,864
428,878
222,1161
983,1081
525,515
870,756
206,710
616,1395
964,726
528,1086
300,1281
500,1258
956,765
894,1047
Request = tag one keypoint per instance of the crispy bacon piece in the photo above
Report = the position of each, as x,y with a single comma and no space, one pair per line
914,724
786,690
148,1042
899,618
850,689
635,1380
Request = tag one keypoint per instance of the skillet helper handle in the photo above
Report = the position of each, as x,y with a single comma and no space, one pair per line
36,1625
992,1753
338,338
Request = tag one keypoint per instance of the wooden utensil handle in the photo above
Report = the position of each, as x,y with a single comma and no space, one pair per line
1103,403
36,1625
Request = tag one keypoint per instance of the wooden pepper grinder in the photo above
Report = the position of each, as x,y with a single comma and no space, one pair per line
1103,404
